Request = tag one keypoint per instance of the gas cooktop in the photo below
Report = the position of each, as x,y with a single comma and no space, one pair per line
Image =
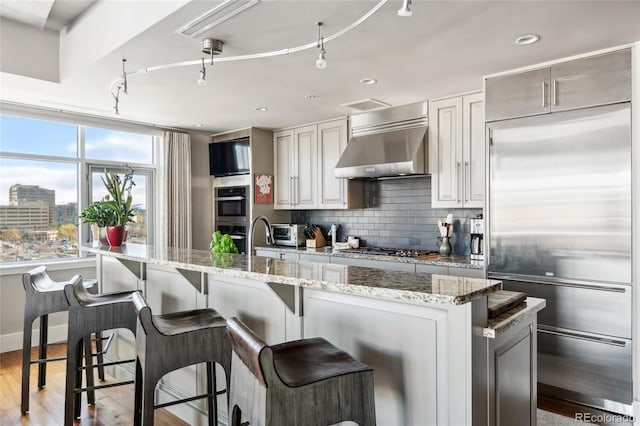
382,251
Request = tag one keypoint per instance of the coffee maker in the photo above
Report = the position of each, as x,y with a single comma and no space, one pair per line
477,235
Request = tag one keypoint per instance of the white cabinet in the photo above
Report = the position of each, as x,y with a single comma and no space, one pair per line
457,152
296,174
304,161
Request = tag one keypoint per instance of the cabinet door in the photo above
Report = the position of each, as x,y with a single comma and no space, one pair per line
305,181
445,152
518,95
332,141
597,80
473,150
283,154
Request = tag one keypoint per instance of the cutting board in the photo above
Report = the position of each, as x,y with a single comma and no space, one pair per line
428,256
501,301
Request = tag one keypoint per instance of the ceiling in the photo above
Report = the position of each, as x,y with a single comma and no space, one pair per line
443,49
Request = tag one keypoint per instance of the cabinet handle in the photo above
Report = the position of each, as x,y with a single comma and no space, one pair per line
295,190
291,191
555,90
544,94
592,339
467,181
458,181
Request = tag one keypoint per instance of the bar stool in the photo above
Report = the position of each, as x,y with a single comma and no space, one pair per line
165,343
91,313
303,382
44,296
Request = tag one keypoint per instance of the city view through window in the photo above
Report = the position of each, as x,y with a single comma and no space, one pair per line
40,184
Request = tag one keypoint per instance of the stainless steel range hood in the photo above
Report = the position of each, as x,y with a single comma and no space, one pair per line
386,143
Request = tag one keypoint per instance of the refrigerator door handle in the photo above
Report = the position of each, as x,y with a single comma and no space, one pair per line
569,283
593,339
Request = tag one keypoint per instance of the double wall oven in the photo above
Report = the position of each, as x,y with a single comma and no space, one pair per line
232,214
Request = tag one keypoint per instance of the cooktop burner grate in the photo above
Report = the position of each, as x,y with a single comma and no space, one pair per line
382,251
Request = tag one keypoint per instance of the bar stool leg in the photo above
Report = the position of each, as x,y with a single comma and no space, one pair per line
26,360
71,403
100,356
42,351
212,399
88,360
137,411
148,397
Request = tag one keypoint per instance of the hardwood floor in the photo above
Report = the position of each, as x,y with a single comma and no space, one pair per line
114,406
570,409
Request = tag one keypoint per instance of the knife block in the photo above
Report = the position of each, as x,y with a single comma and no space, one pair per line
319,241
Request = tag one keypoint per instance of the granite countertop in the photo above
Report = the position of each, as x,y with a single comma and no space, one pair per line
403,286
452,261
511,318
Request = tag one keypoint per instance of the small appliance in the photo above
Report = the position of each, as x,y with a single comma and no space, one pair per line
288,234
477,237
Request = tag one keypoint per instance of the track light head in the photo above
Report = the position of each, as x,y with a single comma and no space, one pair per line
202,81
321,62
405,10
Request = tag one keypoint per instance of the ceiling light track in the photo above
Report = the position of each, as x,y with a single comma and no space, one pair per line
116,84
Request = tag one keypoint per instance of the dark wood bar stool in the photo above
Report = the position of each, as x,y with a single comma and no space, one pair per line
165,343
91,313
44,296
303,382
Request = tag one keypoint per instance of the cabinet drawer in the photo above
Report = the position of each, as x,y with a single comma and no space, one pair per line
466,272
432,269
597,368
601,309
378,264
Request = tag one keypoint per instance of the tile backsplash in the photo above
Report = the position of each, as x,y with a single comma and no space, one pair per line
398,214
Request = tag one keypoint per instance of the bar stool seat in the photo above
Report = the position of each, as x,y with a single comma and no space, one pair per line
91,313
302,362
303,382
168,342
44,296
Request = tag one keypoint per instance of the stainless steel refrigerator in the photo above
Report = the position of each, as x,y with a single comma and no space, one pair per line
559,227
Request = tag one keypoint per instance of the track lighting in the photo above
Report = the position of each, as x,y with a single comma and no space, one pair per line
202,81
405,10
321,62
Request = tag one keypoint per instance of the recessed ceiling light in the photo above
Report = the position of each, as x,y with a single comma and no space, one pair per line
310,97
368,81
261,109
527,39
198,125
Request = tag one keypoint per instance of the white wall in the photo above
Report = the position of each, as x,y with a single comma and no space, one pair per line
12,302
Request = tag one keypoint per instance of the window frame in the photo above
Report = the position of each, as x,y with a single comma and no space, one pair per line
86,166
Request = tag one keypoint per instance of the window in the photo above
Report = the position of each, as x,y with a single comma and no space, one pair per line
50,171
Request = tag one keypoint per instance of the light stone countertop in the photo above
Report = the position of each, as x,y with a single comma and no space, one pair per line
392,285
450,261
513,317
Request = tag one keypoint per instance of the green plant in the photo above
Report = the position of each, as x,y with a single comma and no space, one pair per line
119,198
222,243
99,214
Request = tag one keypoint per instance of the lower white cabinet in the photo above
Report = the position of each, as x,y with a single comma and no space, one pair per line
378,264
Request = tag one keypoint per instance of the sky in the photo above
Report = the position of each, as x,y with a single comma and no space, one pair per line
60,140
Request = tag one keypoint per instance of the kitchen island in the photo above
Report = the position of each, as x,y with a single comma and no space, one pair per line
424,334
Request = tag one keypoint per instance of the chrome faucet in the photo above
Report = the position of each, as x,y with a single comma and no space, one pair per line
267,225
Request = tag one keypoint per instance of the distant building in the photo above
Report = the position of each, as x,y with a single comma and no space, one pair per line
67,213
20,194
26,217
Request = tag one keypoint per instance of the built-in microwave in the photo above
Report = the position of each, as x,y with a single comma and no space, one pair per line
232,204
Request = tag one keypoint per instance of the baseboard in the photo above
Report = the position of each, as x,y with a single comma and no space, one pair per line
13,341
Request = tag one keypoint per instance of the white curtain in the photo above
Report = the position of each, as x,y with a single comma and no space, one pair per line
178,184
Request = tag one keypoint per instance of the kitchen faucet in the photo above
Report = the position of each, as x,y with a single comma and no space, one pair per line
267,225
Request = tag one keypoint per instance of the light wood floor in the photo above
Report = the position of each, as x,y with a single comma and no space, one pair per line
114,406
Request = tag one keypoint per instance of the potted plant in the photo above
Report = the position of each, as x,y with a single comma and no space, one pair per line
119,201
98,215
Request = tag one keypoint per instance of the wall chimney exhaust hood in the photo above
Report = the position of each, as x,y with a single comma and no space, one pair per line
386,143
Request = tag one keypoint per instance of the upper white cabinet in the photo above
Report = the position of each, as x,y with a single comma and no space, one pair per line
595,80
295,168
457,152
304,161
